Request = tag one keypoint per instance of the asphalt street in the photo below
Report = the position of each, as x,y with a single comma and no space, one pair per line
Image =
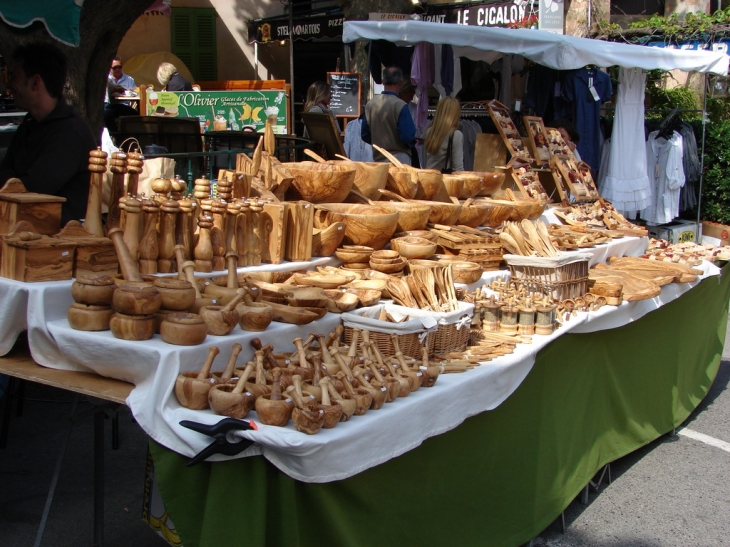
673,492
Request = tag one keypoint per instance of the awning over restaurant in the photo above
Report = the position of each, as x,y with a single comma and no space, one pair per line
313,27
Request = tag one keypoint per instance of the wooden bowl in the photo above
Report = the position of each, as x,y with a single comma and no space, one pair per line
136,298
326,240
386,261
454,184
366,297
443,213
367,225
384,254
466,272
423,234
473,182
525,208
255,317
389,268
219,322
430,184
303,297
322,182
94,291
184,329
176,294
341,301
498,210
132,327
411,216
89,317
312,279
369,284
473,215
356,266
423,264
354,254
413,247
370,177
491,183
402,180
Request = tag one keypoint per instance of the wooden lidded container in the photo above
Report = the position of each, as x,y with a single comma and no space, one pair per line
30,257
17,204
95,256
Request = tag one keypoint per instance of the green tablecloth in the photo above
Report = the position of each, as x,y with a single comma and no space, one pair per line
499,478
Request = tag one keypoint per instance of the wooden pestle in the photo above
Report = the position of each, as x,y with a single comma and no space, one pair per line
118,167
232,212
301,353
148,245
405,384
332,410
191,388
165,260
217,234
331,366
227,373
272,409
268,352
352,353
259,387
344,367
130,272
184,226
97,168
391,384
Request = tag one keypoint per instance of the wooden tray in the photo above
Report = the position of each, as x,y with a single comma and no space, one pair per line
527,180
573,179
537,139
508,130
557,144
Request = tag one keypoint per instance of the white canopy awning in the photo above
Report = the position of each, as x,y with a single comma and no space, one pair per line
551,50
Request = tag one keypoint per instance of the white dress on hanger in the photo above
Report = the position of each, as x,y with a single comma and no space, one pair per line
666,174
626,184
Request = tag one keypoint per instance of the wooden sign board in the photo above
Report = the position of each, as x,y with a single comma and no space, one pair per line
537,139
344,94
508,131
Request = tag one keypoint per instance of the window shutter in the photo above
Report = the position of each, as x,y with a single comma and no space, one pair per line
194,41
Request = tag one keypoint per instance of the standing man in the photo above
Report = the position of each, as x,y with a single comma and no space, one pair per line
50,150
388,122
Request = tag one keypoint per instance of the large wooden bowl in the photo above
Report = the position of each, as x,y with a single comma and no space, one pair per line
454,184
368,225
473,182
322,182
369,177
529,209
443,213
473,215
430,184
402,180
492,182
497,210
411,216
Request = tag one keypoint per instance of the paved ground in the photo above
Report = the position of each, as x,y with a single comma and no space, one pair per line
673,492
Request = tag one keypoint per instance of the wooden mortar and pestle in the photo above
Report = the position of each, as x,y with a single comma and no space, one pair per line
305,419
254,316
332,409
273,409
362,397
259,386
391,384
415,376
187,267
349,406
405,383
191,388
379,395
298,383
430,372
227,373
229,292
231,400
221,320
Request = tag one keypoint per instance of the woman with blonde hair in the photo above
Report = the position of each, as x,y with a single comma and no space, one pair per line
317,101
443,142
170,80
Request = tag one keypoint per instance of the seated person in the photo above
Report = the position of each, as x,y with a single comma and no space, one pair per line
170,80
50,150
117,84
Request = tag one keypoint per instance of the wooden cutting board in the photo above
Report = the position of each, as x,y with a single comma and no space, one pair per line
634,288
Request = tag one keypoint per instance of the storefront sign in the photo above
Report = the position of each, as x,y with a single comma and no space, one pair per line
222,110
721,44
275,29
551,16
516,13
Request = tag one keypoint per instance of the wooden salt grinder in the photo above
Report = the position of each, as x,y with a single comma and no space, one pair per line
118,169
232,212
126,264
184,226
201,190
132,210
149,248
97,168
135,164
204,248
217,234
242,227
165,260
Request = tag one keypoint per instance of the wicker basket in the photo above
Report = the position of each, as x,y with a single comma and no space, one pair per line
560,278
410,344
449,338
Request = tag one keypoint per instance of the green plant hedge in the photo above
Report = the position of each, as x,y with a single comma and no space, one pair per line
716,185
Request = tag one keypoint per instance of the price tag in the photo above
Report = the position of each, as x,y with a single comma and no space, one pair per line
428,322
594,93
64,253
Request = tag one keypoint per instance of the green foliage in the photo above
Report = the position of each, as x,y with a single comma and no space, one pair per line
716,185
692,23
684,98
718,109
606,27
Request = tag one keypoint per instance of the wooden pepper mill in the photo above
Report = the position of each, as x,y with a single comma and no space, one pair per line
204,248
217,234
256,234
201,190
132,210
166,257
225,189
149,248
232,212
242,225
177,188
135,164
161,187
118,167
184,227
97,168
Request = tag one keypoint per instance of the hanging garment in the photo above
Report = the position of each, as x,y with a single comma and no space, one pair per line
422,69
587,109
625,182
692,168
666,176
355,148
469,129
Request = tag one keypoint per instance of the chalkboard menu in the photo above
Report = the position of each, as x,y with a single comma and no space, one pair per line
344,94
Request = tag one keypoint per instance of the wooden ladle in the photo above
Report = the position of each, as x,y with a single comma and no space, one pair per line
191,388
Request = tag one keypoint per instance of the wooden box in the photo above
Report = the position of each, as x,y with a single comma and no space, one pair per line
94,255
17,204
43,259
299,228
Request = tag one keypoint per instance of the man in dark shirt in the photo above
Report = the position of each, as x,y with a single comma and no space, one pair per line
50,150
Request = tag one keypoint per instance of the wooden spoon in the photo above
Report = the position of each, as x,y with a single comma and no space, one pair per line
390,156
314,156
